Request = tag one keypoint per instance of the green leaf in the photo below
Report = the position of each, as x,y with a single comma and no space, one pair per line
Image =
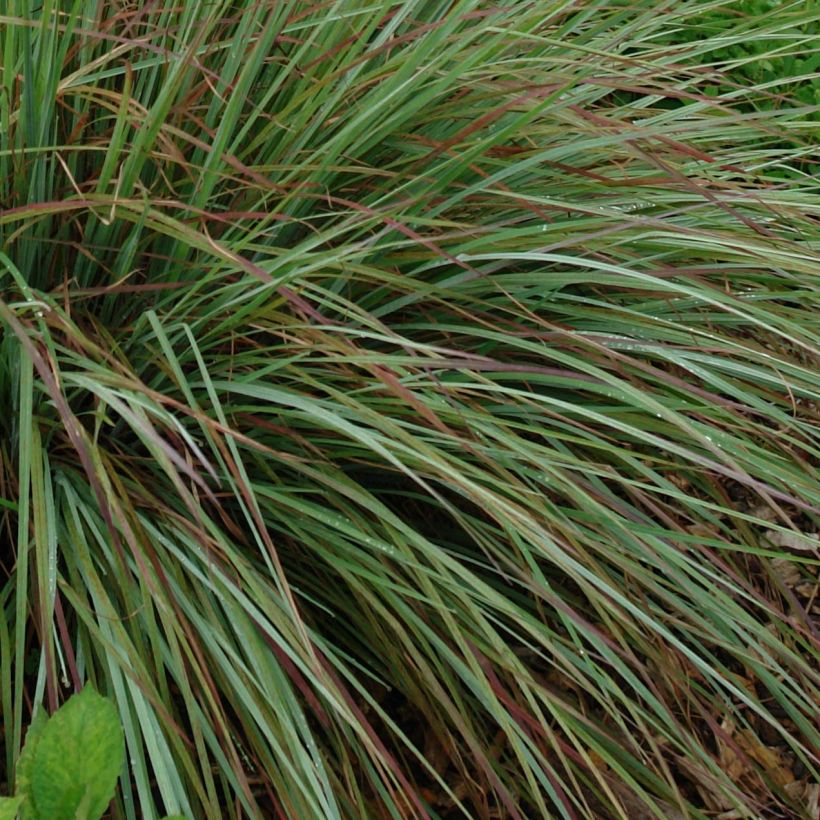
78,759
26,760
9,806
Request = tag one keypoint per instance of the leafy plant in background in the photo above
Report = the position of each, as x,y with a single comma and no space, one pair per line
70,762
768,46
410,408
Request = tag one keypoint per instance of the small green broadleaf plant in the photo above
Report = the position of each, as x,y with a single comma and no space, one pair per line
9,806
70,763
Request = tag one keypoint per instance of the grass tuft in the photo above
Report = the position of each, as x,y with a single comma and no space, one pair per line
411,408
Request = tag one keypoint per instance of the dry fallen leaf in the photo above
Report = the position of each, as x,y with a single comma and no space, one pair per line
764,512
802,542
787,571
812,797
769,758
808,795
730,761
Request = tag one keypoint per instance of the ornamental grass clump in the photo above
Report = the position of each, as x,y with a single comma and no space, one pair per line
410,409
